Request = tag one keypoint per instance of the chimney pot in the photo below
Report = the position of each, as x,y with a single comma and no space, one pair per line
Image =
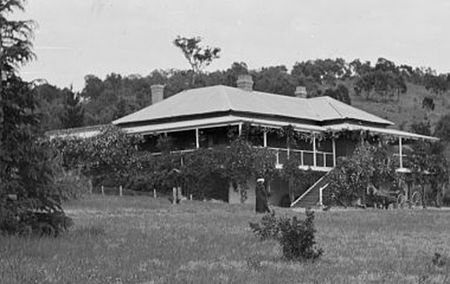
300,92
157,93
245,82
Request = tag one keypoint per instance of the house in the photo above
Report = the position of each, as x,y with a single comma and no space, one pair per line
202,117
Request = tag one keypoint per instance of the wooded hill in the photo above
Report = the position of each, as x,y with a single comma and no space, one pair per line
403,94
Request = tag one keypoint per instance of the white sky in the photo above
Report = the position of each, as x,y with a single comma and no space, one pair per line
79,37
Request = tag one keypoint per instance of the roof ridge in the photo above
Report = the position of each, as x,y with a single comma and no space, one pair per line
330,103
308,101
227,98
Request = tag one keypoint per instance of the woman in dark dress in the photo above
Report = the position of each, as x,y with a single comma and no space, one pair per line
262,197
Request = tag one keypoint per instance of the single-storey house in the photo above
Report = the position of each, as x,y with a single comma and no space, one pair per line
202,117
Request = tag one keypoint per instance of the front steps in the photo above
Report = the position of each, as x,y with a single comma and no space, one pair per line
312,197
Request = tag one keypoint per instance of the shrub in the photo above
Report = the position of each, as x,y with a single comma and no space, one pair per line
267,229
296,237
46,224
37,223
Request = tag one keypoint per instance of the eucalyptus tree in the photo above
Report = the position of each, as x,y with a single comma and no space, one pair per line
197,56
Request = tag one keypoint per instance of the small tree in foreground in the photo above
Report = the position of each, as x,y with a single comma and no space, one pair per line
296,237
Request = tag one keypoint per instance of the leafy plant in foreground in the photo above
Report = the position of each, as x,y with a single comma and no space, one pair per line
267,229
296,237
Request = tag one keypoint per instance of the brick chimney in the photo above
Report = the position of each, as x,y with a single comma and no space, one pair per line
157,93
245,82
300,92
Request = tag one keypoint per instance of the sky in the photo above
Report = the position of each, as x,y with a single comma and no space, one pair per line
79,37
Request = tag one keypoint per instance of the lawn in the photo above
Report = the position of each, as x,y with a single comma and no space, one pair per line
146,240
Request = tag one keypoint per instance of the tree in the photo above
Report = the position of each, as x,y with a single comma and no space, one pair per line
322,71
358,68
26,169
429,166
436,83
422,128
93,87
274,79
340,94
443,128
50,106
384,83
73,112
428,103
385,78
197,56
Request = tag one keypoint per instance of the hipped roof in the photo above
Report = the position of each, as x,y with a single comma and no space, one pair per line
219,99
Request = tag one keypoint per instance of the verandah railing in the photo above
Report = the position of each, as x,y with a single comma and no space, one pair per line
305,157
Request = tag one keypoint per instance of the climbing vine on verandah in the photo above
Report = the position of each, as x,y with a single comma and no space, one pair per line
111,154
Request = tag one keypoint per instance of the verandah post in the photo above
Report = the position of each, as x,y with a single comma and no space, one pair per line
400,152
288,146
265,139
314,150
197,138
333,143
321,196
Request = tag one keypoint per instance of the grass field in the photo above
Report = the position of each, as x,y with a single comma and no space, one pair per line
146,240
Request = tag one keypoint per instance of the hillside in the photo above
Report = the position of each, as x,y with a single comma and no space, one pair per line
408,109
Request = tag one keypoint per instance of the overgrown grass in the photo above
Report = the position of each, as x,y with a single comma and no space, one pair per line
143,240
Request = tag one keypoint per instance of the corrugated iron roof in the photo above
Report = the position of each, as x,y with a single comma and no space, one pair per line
223,98
388,131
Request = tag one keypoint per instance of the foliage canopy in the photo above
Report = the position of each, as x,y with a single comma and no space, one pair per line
29,199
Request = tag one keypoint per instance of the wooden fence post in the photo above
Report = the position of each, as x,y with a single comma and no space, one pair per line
120,191
90,186
174,192
103,190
